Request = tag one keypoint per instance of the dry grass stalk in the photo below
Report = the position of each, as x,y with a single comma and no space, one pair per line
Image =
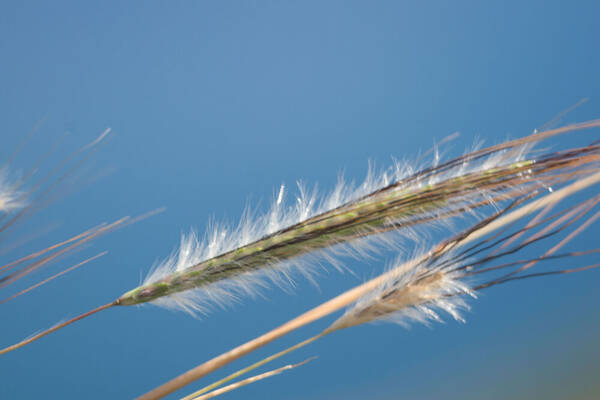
51,278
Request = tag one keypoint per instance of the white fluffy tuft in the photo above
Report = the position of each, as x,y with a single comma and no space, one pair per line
10,197
415,294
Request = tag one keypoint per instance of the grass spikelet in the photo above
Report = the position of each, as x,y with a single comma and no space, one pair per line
415,295
355,221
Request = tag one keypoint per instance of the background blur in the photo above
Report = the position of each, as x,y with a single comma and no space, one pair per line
213,104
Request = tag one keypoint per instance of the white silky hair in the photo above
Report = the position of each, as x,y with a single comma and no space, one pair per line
423,301
221,238
11,198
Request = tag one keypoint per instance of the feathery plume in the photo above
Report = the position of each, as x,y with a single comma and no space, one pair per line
353,221
418,294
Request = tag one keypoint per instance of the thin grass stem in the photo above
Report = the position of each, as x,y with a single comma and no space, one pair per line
252,367
55,328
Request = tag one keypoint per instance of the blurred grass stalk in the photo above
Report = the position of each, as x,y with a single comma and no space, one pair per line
20,198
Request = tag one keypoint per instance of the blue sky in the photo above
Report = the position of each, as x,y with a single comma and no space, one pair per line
214,104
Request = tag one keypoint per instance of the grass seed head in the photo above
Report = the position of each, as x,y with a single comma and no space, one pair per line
352,220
